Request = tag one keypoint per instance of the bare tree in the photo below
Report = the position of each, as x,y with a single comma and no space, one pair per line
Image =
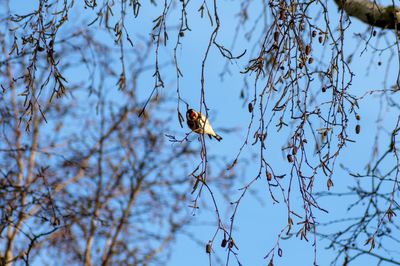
88,160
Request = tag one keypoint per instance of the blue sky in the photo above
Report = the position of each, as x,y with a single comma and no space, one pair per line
258,220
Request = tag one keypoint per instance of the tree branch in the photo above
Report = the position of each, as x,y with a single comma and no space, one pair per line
369,12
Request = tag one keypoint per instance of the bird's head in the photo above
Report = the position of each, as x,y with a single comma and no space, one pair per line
191,114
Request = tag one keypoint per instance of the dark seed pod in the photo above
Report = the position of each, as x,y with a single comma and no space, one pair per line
223,243
269,176
358,117
40,49
181,34
320,39
231,243
208,248
294,150
374,33
282,15
329,183
301,65
276,36
290,158
358,129
250,107
324,88
314,33
310,60
308,49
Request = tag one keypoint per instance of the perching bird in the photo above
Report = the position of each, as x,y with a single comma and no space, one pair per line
198,123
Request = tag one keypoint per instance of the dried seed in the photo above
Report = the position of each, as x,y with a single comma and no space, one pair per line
314,33
329,183
276,36
308,49
208,248
223,243
269,176
282,15
250,107
231,244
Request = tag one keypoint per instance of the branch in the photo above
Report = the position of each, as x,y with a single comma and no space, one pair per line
386,17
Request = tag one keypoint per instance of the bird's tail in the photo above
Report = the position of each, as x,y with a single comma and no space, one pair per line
217,137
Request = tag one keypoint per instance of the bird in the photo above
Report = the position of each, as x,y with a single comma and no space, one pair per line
199,124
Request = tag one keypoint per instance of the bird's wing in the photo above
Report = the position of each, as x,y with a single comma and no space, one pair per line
206,126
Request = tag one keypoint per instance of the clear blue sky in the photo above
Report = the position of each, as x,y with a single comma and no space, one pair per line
258,221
